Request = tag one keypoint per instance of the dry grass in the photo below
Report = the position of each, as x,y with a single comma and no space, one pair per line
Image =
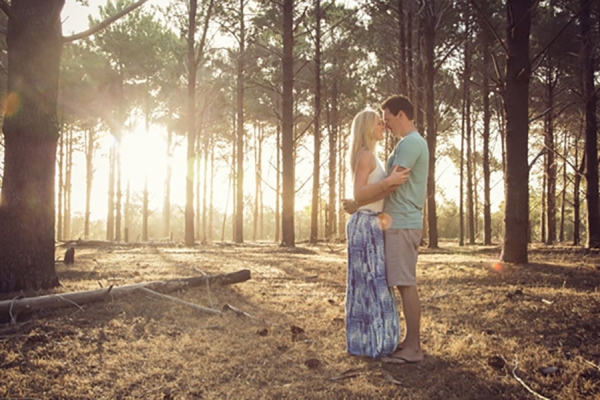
482,322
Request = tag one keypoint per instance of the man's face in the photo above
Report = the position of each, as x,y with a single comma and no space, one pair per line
392,122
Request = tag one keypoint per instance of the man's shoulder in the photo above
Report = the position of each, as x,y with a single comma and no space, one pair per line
413,139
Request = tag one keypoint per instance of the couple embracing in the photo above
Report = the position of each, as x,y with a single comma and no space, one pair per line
384,233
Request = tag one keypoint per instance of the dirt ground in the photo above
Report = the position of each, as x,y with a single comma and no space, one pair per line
490,331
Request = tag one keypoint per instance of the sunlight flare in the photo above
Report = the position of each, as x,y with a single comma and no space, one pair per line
12,103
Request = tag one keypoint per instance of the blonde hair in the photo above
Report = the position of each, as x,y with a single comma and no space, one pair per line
362,135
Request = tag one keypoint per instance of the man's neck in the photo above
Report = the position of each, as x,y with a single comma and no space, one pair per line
407,129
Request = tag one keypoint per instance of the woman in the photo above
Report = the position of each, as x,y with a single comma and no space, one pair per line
372,320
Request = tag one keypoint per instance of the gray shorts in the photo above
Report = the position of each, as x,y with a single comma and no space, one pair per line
401,252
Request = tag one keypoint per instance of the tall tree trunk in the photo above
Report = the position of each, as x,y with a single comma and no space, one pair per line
110,214
191,125
68,185
342,149
550,159
576,198
211,207
146,198
316,189
543,233
591,125
206,154
31,130
61,186
239,202
461,184
487,213
410,87
90,147
166,209
288,172
332,124
468,133
119,197
403,81
127,213
516,104
198,186
429,68
563,195
258,211
278,193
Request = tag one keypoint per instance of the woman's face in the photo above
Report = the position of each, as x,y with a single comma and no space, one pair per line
378,129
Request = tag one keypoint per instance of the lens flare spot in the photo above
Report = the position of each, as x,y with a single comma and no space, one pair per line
384,221
12,103
497,267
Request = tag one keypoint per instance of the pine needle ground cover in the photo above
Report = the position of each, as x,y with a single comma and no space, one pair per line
489,330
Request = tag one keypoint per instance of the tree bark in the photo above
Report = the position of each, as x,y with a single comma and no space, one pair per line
591,125
239,198
287,134
486,38
191,125
429,69
31,129
90,146
316,195
550,160
518,71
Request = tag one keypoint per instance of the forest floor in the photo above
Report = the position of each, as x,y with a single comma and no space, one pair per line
489,330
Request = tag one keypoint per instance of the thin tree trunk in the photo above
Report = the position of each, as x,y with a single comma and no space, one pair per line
166,213
110,217
410,87
68,188
211,192
119,197
239,203
487,213
288,170
316,195
191,124
89,178
61,186
563,195
543,210
278,188
468,133
403,82
550,160
429,69
333,170
206,154
576,198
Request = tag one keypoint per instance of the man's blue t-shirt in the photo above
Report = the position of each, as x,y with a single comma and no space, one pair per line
405,204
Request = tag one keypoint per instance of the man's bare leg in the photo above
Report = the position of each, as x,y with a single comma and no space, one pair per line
410,347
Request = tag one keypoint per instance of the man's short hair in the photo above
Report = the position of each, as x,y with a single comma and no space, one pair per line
399,103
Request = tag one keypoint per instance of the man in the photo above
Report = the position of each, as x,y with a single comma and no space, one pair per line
405,208
403,211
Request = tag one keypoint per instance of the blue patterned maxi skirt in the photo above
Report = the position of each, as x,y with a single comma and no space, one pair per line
372,320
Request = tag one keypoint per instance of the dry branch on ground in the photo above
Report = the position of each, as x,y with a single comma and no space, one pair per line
11,309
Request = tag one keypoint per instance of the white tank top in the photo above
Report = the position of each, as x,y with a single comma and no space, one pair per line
375,176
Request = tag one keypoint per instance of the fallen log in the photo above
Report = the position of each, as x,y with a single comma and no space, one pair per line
11,309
